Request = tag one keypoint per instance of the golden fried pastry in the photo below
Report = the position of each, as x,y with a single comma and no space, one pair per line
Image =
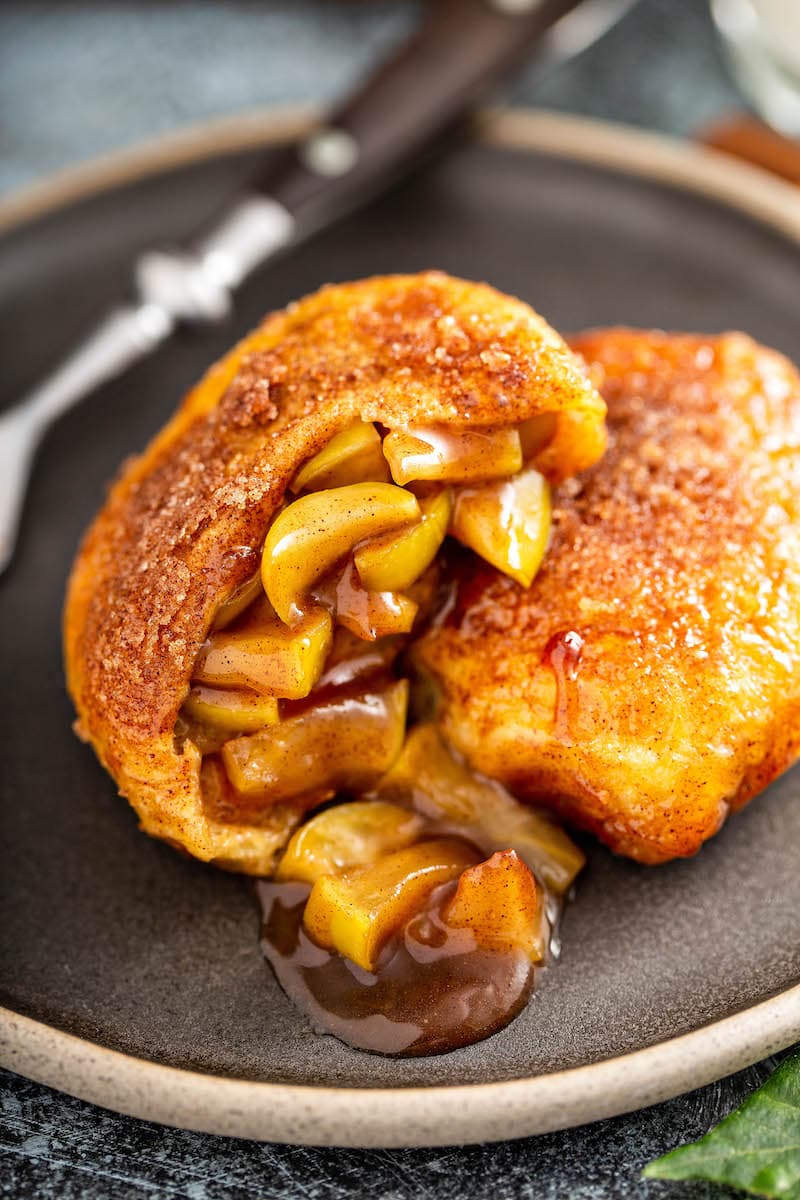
235,613
648,682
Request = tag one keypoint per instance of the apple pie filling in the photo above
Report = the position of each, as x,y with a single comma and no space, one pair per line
410,916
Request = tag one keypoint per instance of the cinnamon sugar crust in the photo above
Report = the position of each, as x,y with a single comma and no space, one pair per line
184,523
649,681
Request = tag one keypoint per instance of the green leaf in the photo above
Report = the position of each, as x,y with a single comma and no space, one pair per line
756,1148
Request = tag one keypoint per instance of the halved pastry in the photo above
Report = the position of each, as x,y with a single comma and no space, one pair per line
648,682
236,612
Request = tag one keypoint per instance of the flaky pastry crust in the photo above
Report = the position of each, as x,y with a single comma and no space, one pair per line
675,563
181,523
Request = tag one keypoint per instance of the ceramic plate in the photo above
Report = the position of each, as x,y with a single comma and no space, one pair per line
132,977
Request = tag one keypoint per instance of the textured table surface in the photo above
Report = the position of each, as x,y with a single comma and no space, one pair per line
80,79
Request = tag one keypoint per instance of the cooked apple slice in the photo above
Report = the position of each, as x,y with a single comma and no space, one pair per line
371,615
347,836
269,657
222,803
500,902
350,653
392,563
352,456
351,658
471,455
536,433
238,601
507,523
308,538
428,776
229,710
344,743
356,913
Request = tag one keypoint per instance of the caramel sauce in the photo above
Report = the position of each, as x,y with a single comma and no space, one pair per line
433,990
563,654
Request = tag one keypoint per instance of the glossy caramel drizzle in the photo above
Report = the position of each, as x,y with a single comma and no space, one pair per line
563,654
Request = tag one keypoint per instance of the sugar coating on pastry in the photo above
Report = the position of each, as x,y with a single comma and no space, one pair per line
184,520
648,682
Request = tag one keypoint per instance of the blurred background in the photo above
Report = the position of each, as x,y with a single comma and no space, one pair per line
81,79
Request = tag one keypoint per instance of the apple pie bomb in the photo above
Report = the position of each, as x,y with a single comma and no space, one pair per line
407,900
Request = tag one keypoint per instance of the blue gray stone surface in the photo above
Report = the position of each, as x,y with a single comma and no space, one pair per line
78,79
52,1146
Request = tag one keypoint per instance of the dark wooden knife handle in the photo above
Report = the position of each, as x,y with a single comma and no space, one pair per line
461,47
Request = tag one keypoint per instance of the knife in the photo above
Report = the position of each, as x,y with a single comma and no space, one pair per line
460,48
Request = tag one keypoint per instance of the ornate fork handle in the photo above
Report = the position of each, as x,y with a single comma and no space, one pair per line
172,287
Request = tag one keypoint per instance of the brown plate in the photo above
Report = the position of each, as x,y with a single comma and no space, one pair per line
131,976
